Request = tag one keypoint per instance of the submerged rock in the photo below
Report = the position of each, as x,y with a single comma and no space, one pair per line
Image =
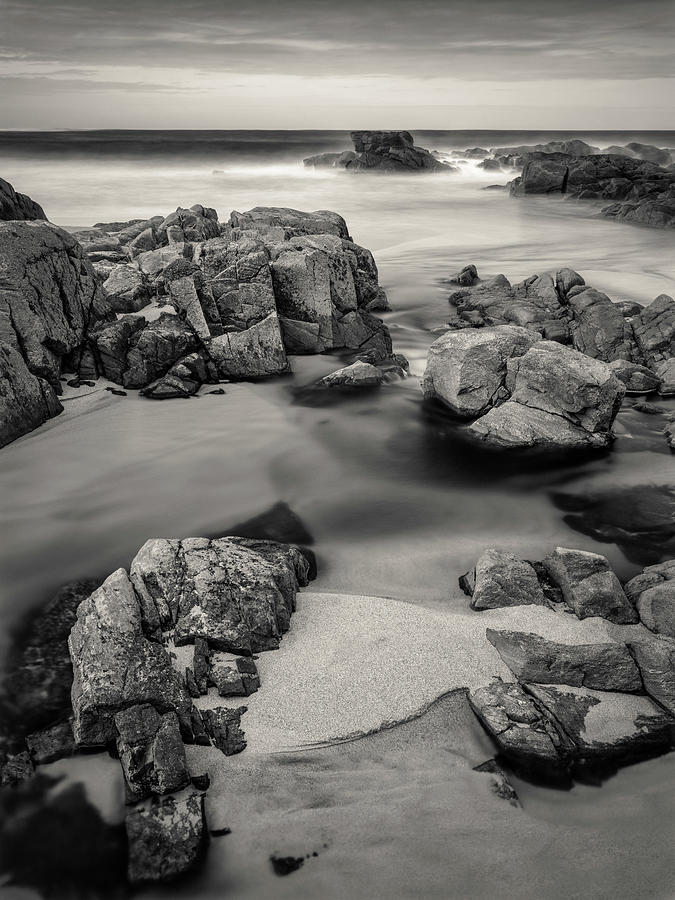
166,840
531,658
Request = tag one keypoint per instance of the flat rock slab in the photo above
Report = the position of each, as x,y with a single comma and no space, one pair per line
606,667
606,726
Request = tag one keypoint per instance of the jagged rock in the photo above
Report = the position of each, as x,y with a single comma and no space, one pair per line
151,752
665,372
572,147
526,737
166,840
183,379
234,678
656,661
48,298
531,658
255,352
222,725
236,593
559,398
629,308
466,276
126,289
153,262
143,242
15,206
392,151
38,672
358,376
115,666
589,586
466,370
26,400
198,223
598,327
606,726
654,330
501,785
201,663
637,379
501,579
51,743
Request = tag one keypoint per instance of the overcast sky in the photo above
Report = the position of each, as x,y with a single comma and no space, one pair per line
337,64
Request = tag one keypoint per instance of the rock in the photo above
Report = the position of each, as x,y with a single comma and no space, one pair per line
284,865
392,151
26,400
604,667
55,742
234,678
573,147
146,240
638,379
166,840
513,426
656,661
201,664
566,383
223,727
17,768
329,160
198,223
358,376
49,296
38,672
466,370
153,262
501,785
542,176
466,276
650,153
656,606
126,289
589,586
193,298
490,165
17,207
501,579
283,223
654,330
670,436
665,372
236,593
183,379
629,308
605,726
256,352
598,326
151,752
115,666
525,736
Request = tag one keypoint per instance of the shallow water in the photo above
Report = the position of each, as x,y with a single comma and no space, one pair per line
396,505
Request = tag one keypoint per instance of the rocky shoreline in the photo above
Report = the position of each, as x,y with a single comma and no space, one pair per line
138,665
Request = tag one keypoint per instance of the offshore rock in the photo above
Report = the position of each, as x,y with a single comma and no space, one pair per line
392,151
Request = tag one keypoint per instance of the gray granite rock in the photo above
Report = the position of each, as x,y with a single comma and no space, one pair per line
589,586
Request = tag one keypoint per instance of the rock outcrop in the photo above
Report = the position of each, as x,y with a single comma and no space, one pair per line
381,151
17,207
641,191
48,299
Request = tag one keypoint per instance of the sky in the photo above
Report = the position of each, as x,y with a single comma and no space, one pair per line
458,64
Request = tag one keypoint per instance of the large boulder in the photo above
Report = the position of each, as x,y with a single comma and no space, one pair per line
589,586
466,370
17,207
502,579
115,666
598,327
236,593
26,400
654,330
281,223
531,658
